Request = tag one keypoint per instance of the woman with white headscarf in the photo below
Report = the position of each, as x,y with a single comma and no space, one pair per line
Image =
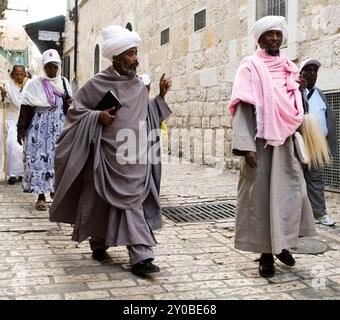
40,123
11,94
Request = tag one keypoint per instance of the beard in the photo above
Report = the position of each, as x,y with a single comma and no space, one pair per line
129,70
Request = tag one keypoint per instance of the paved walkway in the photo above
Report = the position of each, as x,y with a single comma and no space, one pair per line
198,261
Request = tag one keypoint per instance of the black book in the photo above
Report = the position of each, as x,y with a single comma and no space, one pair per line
110,100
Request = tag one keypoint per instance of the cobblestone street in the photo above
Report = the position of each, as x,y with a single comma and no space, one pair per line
197,260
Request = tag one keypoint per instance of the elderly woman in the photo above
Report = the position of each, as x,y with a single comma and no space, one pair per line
40,123
11,93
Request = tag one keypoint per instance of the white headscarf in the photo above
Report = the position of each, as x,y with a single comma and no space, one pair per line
270,23
34,95
116,40
52,56
14,93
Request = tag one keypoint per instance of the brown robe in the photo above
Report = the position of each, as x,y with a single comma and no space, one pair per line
273,209
100,196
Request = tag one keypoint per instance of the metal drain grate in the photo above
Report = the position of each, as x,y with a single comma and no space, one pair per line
309,246
200,212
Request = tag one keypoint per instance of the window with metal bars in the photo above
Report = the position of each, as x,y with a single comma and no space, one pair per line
66,67
96,60
200,20
332,172
271,8
165,36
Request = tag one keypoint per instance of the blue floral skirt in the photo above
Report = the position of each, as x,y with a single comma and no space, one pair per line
39,149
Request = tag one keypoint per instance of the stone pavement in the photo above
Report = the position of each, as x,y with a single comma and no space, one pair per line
198,261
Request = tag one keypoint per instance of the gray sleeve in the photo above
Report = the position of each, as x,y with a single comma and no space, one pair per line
244,125
159,103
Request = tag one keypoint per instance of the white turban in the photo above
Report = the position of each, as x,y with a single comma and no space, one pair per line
270,23
116,40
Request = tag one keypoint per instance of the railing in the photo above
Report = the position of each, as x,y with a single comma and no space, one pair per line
332,172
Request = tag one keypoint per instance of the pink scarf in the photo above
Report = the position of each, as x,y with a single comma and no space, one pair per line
269,83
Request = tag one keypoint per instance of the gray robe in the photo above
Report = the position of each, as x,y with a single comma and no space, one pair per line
101,197
273,209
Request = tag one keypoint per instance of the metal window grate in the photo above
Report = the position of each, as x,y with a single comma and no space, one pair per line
332,172
271,7
96,60
67,67
200,212
200,20
165,36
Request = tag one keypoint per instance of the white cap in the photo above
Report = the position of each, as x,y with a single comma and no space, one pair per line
146,79
51,55
310,61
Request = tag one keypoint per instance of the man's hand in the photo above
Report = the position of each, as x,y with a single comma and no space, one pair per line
106,118
251,159
3,93
164,85
303,83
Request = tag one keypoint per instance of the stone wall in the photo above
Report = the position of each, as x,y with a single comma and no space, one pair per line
203,64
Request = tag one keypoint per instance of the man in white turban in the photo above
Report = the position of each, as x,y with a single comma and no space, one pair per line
273,209
107,175
268,23
117,39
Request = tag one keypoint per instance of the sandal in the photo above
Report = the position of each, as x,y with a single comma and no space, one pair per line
41,205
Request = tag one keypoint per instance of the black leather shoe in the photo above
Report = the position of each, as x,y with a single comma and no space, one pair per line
286,257
12,180
99,254
266,267
144,267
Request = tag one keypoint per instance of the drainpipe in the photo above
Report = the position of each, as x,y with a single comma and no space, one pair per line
76,20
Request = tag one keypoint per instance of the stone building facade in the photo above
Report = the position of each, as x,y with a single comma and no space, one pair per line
202,63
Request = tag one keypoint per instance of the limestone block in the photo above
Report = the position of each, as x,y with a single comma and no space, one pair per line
205,122
184,109
181,96
213,94
197,95
225,121
196,108
215,122
195,122
208,77
210,109
193,80
194,42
